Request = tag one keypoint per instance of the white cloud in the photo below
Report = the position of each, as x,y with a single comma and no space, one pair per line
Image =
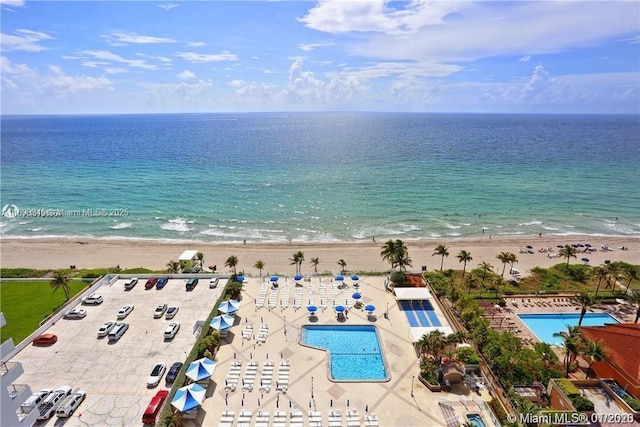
312,46
8,4
26,40
202,58
525,58
123,39
196,44
109,57
168,6
182,96
186,75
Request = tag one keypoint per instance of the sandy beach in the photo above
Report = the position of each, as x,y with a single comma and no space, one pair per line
360,257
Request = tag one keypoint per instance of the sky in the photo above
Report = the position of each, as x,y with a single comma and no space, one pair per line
113,57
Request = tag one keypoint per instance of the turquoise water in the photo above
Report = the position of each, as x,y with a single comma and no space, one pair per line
544,326
475,420
320,177
354,351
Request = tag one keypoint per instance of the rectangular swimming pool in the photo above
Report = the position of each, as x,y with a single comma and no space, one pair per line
355,353
544,326
420,313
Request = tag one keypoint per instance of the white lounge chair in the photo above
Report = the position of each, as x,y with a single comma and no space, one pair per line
353,418
244,419
262,419
226,419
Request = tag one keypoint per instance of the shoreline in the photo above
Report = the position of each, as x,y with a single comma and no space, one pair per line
84,253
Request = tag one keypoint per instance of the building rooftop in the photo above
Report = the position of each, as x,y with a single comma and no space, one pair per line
623,342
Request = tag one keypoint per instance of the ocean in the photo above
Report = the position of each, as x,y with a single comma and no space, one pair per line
319,177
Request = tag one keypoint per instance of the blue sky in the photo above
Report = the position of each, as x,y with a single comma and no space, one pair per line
200,56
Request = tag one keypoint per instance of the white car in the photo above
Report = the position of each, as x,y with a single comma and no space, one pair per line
76,313
171,330
92,299
124,311
171,312
159,311
70,404
106,328
156,375
129,284
35,400
50,403
214,282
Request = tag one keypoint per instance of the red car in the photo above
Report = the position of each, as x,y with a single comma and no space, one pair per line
151,413
45,339
151,283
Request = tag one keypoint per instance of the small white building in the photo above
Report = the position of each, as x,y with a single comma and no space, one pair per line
188,259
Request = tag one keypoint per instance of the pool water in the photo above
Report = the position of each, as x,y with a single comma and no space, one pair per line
475,420
544,326
354,352
420,313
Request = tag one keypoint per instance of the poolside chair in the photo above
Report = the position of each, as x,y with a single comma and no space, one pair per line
234,376
335,418
279,419
226,419
244,419
267,376
296,418
315,419
249,378
282,383
247,332
262,419
353,418
372,420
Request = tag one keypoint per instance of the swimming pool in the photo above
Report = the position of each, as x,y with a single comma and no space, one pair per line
544,326
420,313
355,352
475,420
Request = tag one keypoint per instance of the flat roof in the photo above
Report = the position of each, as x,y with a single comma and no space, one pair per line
412,293
187,255
418,332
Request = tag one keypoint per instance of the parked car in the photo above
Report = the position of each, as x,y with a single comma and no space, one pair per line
70,404
50,403
92,299
45,339
76,313
173,372
156,375
162,282
171,312
151,413
35,400
191,283
124,311
106,328
118,331
171,330
159,311
151,282
214,282
129,284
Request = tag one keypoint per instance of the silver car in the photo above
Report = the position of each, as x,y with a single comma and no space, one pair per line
106,328
124,311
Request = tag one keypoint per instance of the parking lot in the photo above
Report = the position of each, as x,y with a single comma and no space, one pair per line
114,375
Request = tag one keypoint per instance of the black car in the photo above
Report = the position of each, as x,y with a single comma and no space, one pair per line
191,283
173,372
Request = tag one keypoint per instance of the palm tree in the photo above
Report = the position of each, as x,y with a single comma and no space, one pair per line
485,266
600,273
173,266
402,260
632,273
314,262
259,265
634,299
232,262
572,343
443,251
568,252
586,301
296,260
343,264
464,257
389,251
61,280
200,258
504,257
596,351
512,260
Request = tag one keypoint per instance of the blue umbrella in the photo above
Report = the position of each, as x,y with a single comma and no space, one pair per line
355,278
341,278
188,397
370,307
356,296
339,308
201,369
221,323
297,278
229,306
274,278
312,308
240,279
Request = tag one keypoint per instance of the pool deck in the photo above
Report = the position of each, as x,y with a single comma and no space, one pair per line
402,401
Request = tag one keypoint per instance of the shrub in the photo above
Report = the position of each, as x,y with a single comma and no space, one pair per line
567,387
468,356
399,279
633,403
581,403
429,371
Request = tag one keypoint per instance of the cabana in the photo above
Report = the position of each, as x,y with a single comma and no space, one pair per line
188,259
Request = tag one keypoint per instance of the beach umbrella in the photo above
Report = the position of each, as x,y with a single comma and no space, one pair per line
356,296
240,279
559,246
370,307
340,278
188,397
529,247
221,323
312,308
229,306
355,278
585,260
274,278
298,278
201,369
339,308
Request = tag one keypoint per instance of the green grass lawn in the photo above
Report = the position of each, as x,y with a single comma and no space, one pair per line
26,304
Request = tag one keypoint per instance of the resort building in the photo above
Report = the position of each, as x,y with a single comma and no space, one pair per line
188,260
622,361
12,395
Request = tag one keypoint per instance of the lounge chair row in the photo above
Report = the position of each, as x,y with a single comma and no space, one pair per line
296,419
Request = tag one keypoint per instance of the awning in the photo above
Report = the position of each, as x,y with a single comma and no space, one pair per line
404,294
